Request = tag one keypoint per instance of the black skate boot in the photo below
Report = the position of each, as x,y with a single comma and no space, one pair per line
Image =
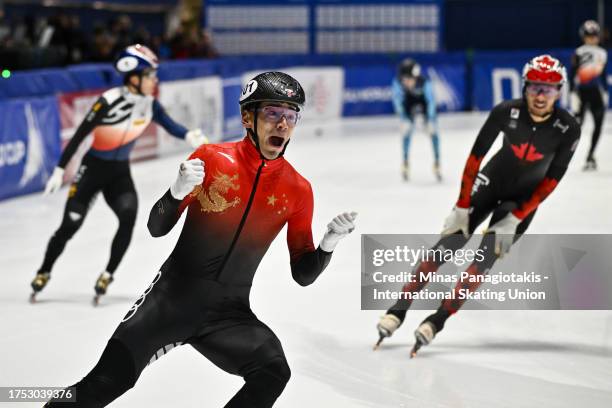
38,284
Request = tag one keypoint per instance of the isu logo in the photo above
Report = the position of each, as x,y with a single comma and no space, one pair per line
213,199
527,152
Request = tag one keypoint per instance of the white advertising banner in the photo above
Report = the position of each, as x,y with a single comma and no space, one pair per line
194,103
324,87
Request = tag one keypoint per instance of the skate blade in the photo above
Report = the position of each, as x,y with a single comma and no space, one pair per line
33,298
96,300
415,348
377,345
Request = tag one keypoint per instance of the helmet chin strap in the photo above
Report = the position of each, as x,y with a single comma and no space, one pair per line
139,86
253,132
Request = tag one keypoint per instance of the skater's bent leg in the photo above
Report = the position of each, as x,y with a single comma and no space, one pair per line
465,284
453,242
74,214
598,116
80,196
263,384
432,127
406,129
122,199
125,207
249,349
110,378
487,245
155,324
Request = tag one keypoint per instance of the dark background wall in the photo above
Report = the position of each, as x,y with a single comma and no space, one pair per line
517,24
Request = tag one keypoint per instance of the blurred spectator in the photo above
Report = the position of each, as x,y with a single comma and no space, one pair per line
64,37
161,45
142,36
5,29
102,45
121,31
190,42
204,46
68,37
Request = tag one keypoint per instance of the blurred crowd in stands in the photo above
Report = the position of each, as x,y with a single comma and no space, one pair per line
103,41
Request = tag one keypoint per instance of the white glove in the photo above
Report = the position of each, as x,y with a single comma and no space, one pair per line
457,220
191,174
504,230
196,138
338,228
55,181
574,102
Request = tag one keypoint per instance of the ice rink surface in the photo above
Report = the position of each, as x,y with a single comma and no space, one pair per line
481,359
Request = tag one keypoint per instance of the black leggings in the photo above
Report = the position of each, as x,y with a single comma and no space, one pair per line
591,98
484,201
214,318
113,178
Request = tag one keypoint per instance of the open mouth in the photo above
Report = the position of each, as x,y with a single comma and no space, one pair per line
276,141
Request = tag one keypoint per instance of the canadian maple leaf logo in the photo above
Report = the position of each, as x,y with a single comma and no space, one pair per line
523,153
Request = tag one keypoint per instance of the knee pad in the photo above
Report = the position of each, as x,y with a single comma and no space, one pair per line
265,384
270,366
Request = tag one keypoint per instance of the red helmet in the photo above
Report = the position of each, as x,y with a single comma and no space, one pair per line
545,69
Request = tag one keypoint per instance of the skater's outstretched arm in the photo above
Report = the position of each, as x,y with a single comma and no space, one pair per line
430,101
397,96
160,116
194,137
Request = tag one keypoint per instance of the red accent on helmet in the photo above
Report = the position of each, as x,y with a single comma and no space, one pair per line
146,51
545,69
